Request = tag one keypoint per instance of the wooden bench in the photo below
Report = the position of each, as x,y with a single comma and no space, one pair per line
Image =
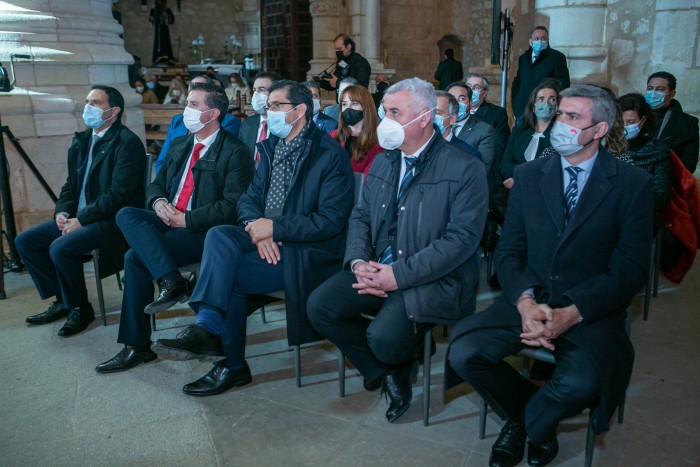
159,116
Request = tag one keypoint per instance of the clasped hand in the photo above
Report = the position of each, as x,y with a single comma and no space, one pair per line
374,279
542,324
169,214
66,225
260,232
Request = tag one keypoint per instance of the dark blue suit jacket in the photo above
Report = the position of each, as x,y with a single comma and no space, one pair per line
465,147
325,122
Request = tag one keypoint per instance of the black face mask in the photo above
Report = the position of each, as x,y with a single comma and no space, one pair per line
382,86
339,54
352,117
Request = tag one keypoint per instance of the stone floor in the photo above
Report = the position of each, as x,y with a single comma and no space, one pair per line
55,410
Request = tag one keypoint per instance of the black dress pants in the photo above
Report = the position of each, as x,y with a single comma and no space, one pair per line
374,346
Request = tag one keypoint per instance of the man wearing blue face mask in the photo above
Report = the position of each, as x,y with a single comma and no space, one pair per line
106,164
538,62
677,129
445,117
290,236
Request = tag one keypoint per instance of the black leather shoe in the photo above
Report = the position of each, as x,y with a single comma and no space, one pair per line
53,313
192,342
128,357
543,454
78,320
170,293
509,448
218,380
398,387
373,385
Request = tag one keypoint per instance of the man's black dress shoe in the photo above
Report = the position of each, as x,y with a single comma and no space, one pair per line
53,313
128,357
509,448
218,380
192,342
398,387
170,293
544,453
78,320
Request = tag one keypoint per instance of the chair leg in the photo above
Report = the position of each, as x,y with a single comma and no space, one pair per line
489,264
262,314
482,418
427,341
650,285
98,285
119,281
621,410
153,322
341,373
657,264
297,364
590,441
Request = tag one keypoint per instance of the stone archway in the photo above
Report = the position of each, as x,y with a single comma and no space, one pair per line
451,41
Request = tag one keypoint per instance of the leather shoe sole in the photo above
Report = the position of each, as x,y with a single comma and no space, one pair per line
167,299
181,355
48,316
538,456
125,360
220,379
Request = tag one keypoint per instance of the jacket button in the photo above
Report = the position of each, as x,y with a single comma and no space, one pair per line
554,277
410,316
400,252
403,208
383,205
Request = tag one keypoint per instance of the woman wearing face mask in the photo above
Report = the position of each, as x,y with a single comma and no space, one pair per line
645,151
236,85
530,138
357,128
177,93
148,96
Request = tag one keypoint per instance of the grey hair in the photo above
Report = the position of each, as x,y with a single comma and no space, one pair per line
452,104
475,75
423,93
604,106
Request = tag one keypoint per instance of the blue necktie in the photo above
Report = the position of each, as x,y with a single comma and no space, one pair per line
82,199
387,256
571,192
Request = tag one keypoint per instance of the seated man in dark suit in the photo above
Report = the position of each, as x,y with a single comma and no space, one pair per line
292,233
321,120
106,166
573,254
494,115
445,117
204,175
177,125
254,129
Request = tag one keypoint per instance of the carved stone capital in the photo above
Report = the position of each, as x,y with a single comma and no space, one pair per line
319,8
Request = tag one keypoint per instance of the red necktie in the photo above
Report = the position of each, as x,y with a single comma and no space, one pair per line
263,137
187,188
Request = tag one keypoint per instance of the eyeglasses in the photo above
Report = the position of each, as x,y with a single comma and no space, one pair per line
275,106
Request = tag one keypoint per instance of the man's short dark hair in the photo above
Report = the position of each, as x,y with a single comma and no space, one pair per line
206,79
114,98
214,98
461,84
271,75
296,94
449,53
312,84
210,68
541,28
664,75
347,40
452,104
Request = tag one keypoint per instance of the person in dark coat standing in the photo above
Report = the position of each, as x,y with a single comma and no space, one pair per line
350,64
573,254
204,175
675,128
538,62
449,70
412,257
293,222
106,167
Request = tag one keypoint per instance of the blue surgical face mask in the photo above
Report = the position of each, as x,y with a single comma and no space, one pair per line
539,46
655,99
439,120
150,84
545,110
92,116
632,131
476,95
463,112
380,111
277,123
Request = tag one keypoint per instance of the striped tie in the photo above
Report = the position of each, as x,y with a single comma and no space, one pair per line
571,193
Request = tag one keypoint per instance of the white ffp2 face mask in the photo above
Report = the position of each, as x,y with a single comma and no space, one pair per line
191,118
391,134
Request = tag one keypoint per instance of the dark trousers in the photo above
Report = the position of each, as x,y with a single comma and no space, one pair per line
155,250
373,346
231,269
478,356
55,261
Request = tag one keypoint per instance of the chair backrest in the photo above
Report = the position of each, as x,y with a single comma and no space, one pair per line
359,185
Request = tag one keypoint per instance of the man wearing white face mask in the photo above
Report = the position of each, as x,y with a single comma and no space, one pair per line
198,188
254,128
538,62
106,164
573,254
321,120
177,125
412,256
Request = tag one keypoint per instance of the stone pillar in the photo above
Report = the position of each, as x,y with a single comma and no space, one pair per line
324,14
250,25
73,44
577,29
